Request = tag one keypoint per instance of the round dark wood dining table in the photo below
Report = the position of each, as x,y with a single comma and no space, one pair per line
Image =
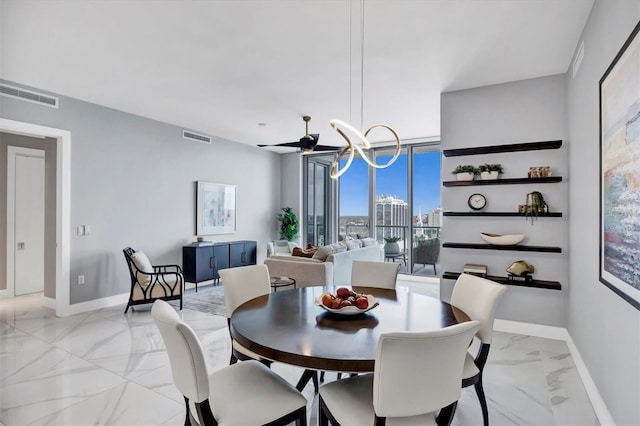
288,327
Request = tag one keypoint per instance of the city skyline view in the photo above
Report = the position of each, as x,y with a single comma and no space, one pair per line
392,181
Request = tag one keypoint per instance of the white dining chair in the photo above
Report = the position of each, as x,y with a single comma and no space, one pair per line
416,374
478,297
247,393
374,274
241,285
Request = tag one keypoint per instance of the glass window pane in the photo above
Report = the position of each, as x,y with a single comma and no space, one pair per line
354,200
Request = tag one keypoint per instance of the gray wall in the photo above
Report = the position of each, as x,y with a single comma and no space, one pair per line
524,111
133,181
605,328
8,139
291,188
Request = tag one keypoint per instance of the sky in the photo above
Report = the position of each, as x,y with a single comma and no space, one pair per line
392,181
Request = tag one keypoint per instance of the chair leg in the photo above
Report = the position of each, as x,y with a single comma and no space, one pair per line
233,359
315,381
321,376
187,420
304,379
323,419
483,402
445,417
127,308
302,420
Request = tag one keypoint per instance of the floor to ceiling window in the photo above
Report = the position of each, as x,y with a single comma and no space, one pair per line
400,202
353,204
318,200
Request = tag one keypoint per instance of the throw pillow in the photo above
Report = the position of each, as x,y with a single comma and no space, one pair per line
366,242
297,251
353,244
143,263
322,253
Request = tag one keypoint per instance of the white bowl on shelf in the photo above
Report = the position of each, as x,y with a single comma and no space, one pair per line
502,240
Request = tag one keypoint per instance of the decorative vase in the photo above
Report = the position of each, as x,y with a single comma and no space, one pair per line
391,248
464,176
493,175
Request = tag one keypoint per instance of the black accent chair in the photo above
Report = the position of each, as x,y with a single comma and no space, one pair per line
427,253
149,283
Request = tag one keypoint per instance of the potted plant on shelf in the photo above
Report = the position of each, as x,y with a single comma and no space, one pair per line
391,245
465,172
288,224
490,171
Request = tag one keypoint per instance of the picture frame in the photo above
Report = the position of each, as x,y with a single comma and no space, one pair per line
620,172
215,208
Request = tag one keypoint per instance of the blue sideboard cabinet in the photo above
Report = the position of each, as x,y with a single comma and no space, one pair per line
202,261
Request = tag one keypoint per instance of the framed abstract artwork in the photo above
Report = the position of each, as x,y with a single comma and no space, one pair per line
620,172
215,208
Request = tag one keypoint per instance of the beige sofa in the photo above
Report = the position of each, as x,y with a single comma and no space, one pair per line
335,270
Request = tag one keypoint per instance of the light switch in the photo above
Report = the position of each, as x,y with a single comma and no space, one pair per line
87,230
80,230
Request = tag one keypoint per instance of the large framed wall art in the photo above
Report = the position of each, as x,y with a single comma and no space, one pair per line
620,172
215,209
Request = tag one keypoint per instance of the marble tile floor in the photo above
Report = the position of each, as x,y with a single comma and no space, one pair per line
107,368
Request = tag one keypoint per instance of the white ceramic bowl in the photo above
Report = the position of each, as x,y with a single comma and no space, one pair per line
502,240
349,310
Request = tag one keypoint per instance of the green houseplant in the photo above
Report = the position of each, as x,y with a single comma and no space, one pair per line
465,172
288,224
490,171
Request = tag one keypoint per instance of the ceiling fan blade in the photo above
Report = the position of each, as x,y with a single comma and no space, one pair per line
288,144
326,148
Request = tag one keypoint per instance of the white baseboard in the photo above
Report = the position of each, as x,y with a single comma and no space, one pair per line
599,406
92,305
48,302
560,333
529,329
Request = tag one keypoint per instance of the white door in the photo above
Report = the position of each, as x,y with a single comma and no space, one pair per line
28,241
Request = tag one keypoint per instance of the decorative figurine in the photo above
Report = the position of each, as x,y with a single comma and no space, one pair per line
520,270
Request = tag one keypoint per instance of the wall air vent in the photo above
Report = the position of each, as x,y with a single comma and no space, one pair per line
28,95
196,137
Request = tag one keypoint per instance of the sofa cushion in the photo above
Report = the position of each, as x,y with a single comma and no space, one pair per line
367,242
354,244
324,251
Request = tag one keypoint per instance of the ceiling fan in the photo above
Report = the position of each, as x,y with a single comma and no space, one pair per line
308,142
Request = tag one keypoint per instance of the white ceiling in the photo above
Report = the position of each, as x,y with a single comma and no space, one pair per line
222,67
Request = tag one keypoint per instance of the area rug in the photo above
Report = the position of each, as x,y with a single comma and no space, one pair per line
209,299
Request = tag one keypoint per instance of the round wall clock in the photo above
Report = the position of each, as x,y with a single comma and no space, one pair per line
477,201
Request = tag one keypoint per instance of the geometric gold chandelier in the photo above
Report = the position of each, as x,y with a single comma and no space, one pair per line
347,131
351,148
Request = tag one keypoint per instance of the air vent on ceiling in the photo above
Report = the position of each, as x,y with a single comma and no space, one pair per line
28,95
196,137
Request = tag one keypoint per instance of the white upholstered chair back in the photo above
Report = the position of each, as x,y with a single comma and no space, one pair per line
478,297
243,284
188,366
374,274
420,372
